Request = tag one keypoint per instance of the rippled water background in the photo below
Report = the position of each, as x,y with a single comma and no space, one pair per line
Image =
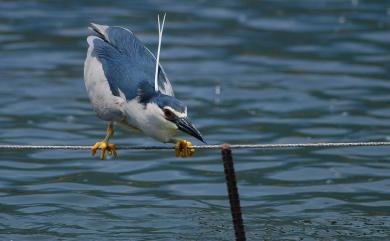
270,72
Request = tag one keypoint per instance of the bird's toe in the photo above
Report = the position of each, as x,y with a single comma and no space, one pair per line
104,147
184,148
112,150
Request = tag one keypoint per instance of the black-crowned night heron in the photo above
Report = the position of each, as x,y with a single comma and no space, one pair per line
127,85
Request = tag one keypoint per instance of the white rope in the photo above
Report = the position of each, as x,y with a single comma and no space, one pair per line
233,146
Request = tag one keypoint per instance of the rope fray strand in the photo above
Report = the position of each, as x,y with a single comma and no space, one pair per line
237,146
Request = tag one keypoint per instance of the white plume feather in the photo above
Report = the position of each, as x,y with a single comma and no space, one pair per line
160,32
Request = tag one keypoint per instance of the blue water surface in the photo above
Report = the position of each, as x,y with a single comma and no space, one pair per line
250,72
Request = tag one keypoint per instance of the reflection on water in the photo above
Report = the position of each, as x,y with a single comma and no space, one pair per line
271,72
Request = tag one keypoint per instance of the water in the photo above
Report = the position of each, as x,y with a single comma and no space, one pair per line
271,72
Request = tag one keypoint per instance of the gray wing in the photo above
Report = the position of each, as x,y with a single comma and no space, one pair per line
128,65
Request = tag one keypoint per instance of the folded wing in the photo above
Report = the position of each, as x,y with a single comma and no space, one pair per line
127,63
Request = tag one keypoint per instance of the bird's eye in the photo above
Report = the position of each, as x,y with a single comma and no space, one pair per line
168,113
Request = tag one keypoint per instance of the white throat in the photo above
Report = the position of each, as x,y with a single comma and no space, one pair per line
150,120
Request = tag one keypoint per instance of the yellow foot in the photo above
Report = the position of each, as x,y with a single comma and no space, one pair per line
104,146
184,149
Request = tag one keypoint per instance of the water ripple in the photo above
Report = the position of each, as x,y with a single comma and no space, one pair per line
250,72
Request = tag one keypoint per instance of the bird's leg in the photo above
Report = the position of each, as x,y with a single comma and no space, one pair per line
104,145
184,148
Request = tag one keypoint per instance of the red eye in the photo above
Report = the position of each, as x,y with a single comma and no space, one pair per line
167,113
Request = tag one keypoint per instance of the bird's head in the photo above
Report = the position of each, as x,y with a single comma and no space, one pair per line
175,112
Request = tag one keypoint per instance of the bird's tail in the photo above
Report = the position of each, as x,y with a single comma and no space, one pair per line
99,31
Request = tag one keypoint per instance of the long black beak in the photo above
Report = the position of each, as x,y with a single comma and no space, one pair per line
185,125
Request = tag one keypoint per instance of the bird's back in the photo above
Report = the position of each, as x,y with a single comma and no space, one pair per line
127,63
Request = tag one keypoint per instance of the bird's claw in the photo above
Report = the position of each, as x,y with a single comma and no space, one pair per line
104,146
184,148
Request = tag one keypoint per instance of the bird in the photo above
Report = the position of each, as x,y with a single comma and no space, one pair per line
129,88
